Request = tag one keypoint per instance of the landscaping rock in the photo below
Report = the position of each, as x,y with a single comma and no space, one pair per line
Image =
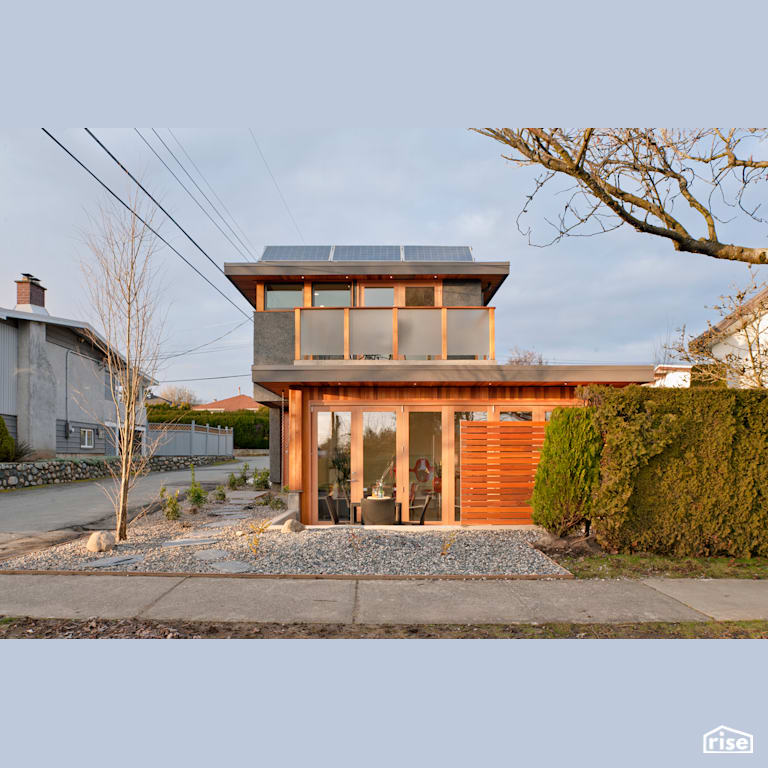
292,526
100,541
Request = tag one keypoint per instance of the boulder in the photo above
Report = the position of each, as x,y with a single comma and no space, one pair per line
100,541
292,526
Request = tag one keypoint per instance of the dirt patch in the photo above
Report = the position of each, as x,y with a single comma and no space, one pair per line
15,628
574,546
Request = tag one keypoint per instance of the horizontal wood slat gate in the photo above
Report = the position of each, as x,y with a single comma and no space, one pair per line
498,467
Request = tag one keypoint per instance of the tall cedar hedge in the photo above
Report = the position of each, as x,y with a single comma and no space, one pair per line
568,471
7,444
682,471
251,428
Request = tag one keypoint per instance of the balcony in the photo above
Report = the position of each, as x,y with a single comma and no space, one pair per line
398,333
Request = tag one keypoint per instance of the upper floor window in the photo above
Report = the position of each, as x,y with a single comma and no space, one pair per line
419,295
331,295
379,297
283,296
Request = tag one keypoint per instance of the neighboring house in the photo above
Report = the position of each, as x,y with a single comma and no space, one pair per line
54,387
740,341
237,403
376,360
673,376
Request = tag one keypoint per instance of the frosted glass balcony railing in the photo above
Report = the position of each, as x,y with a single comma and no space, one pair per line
398,333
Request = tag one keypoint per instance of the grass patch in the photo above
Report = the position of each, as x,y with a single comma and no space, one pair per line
144,629
640,566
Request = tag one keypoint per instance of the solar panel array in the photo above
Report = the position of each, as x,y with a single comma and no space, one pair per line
367,253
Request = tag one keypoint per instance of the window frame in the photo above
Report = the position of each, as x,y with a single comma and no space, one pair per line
84,433
298,285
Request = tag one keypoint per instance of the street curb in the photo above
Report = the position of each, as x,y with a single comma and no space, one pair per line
320,576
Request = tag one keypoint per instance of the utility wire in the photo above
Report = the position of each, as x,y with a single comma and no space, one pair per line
189,176
155,201
197,202
205,378
277,186
146,224
213,192
207,343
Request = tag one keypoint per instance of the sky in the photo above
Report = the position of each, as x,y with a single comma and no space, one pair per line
612,298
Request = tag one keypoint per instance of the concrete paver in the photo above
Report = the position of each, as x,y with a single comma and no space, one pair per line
280,600
518,601
722,599
80,597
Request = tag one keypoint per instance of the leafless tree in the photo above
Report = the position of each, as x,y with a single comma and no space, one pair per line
518,356
735,349
178,395
677,184
121,280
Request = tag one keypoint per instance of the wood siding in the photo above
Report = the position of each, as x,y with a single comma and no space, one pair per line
498,468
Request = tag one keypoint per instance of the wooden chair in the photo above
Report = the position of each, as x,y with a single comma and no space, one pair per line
423,513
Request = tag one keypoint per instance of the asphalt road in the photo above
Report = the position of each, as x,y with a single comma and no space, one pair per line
31,518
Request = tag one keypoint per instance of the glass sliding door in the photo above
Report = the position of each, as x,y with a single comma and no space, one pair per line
458,417
334,446
379,440
425,464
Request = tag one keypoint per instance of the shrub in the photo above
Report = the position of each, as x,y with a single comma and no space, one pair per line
170,505
196,496
272,501
7,444
568,471
683,471
232,482
261,479
243,476
219,493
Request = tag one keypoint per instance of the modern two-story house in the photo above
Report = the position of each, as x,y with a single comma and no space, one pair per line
379,366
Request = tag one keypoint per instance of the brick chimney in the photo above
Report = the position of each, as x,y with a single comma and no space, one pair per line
30,295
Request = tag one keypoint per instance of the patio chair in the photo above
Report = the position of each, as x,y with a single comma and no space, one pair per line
379,512
422,515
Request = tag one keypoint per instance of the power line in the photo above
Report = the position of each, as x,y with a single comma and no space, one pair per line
206,378
197,202
155,201
213,192
146,224
277,186
189,176
207,343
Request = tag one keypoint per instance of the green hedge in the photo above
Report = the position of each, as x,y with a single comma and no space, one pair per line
7,444
251,428
568,471
682,471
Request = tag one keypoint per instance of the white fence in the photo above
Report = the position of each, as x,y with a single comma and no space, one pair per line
190,440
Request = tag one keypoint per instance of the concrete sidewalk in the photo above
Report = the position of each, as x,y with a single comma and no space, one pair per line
379,601
33,518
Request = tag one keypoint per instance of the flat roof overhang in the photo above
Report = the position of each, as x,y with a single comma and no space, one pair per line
245,275
445,373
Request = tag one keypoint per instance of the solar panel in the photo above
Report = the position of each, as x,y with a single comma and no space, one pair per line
296,253
366,253
438,253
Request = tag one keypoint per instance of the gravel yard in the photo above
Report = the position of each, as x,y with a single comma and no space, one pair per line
219,539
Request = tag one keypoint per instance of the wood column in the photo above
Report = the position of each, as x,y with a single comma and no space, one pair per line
295,441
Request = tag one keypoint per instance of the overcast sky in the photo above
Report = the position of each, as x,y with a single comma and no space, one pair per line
612,298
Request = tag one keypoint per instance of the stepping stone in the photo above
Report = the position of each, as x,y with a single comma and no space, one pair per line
220,524
232,566
188,542
211,554
106,562
240,515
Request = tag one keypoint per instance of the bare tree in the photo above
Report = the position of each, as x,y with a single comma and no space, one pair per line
518,356
122,284
178,395
734,350
676,184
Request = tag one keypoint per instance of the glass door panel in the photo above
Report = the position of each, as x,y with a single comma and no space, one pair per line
334,444
379,452
425,469
458,417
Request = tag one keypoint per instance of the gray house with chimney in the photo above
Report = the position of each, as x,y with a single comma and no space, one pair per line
54,385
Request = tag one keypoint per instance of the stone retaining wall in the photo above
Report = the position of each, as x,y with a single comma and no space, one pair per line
53,471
